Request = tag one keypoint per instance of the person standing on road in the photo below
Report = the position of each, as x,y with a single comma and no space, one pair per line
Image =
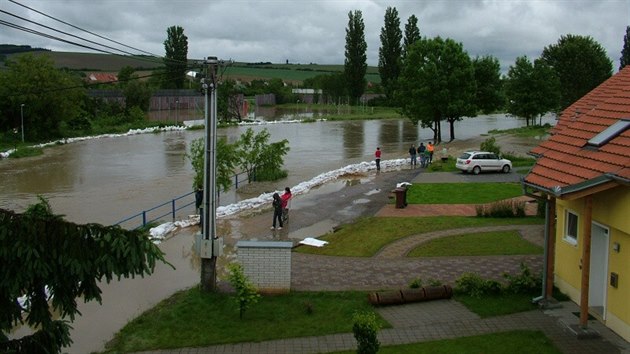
421,150
377,158
412,153
286,196
430,149
277,211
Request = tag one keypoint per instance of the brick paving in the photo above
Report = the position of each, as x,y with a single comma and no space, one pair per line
431,320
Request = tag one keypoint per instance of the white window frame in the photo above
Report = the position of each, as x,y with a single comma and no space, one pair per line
572,239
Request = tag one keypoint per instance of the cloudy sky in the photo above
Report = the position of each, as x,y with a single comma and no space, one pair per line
313,31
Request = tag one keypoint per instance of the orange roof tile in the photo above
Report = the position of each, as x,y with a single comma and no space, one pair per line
566,159
102,77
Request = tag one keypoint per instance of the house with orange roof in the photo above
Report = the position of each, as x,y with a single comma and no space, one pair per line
101,78
583,173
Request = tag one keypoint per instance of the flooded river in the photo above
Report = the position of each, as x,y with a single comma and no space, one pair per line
106,180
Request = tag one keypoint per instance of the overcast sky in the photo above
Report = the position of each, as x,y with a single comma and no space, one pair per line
313,31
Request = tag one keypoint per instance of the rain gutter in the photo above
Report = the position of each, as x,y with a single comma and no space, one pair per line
540,198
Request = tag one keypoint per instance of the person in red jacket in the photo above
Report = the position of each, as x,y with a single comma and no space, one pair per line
286,197
377,158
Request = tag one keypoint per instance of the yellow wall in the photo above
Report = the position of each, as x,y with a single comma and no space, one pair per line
612,210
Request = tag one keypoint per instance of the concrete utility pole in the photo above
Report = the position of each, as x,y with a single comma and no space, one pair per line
210,248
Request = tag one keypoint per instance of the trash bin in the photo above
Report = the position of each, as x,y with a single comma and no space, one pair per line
401,197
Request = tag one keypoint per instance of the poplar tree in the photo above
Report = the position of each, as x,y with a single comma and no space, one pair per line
175,60
412,34
355,64
625,52
389,54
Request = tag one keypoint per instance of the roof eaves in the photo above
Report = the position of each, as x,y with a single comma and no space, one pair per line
560,192
614,177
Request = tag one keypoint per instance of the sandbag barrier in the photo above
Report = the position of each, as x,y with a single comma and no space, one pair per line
404,296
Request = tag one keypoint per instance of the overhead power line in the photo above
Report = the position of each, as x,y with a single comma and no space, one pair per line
84,30
50,36
66,33
87,40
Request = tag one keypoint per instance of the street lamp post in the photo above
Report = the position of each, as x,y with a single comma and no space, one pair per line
22,120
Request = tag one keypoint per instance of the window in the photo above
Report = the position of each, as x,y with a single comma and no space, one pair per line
609,133
570,227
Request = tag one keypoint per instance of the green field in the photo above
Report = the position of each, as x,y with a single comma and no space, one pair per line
288,72
97,62
88,62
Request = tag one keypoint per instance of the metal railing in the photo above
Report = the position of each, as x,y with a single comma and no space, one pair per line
171,208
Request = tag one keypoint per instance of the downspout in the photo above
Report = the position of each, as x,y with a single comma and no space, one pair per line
586,261
546,243
550,246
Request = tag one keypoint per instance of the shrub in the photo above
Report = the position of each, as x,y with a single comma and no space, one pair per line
435,282
270,174
501,209
490,145
416,283
524,283
365,329
308,307
246,293
473,285
26,152
519,209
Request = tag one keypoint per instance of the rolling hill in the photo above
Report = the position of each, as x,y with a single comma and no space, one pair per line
107,63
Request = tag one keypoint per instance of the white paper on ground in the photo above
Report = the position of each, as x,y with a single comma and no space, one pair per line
309,241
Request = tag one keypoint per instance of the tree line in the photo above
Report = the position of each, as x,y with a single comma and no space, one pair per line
434,79
430,80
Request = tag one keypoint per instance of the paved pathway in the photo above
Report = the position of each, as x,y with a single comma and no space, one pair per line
432,320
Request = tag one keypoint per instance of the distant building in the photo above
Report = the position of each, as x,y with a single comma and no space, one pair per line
95,78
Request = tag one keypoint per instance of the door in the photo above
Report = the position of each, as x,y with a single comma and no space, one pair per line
598,280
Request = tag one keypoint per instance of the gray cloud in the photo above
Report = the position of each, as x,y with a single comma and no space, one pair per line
314,31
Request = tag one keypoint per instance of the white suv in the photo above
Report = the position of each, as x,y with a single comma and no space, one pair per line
478,161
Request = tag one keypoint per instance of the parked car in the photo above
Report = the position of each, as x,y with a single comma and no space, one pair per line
482,161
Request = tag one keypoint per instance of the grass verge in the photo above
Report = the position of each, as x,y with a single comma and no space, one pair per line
27,152
519,341
527,132
192,318
366,236
478,244
461,193
497,305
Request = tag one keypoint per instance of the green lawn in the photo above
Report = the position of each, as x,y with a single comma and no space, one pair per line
497,305
527,132
462,193
366,236
513,342
191,318
477,244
